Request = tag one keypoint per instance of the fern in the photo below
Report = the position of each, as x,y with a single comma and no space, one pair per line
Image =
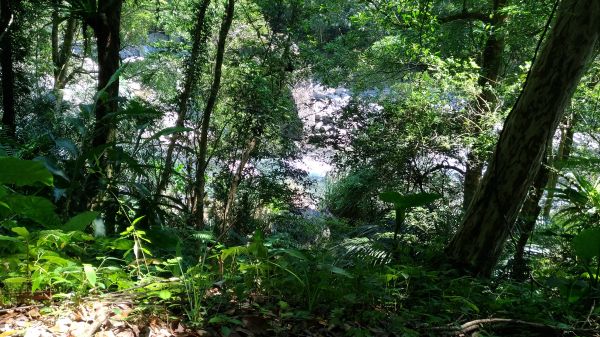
373,243
8,146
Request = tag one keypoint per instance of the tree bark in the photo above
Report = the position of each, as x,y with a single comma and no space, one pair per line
106,23
192,69
529,127
61,53
200,185
9,119
490,71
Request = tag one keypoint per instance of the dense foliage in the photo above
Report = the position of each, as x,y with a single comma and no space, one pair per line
258,167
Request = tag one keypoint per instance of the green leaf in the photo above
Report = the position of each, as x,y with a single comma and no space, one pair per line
56,260
21,231
587,244
164,294
135,222
220,318
9,238
90,274
36,280
339,271
80,221
121,244
204,236
391,197
233,251
38,209
68,145
292,252
53,168
15,280
409,200
24,172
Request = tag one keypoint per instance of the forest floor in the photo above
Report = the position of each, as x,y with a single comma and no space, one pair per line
122,317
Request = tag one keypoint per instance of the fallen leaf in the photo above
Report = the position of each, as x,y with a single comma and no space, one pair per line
9,333
34,312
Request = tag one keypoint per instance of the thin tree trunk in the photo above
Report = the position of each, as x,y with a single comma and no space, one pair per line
107,28
529,127
192,69
61,54
528,218
235,182
490,71
200,185
564,152
106,23
8,74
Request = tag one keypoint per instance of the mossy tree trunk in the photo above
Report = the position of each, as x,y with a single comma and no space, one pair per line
477,245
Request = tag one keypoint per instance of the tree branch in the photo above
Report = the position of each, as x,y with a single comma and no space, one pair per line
444,167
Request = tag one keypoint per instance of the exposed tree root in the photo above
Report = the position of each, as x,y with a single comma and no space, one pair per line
470,328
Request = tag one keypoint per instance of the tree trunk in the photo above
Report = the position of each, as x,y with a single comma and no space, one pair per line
200,185
8,74
564,152
527,219
106,23
199,40
529,127
107,28
61,54
490,71
235,182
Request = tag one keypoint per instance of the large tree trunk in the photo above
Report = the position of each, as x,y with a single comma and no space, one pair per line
8,73
529,127
490,71
199,37
202,163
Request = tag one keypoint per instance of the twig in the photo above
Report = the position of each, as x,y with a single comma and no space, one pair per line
591,311
3,311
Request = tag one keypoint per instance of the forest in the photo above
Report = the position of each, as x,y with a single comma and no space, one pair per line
241,168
